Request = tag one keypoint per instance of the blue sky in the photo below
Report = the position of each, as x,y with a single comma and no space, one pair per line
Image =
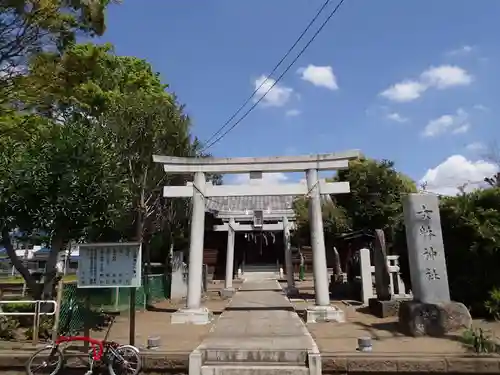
411,81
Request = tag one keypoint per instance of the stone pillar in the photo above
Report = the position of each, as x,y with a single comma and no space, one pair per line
366,275
431,312
317,240
383,278
323,311
228,290
178,285
194,313
288,258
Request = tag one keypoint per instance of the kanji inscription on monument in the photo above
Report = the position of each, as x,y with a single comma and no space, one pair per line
425,248
109,265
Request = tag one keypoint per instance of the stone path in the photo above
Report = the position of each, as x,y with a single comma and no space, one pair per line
260,332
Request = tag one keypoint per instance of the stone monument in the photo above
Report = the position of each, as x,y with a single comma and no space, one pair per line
339,288
382,276
385,304
431,312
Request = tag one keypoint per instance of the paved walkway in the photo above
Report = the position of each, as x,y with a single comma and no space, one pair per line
259,326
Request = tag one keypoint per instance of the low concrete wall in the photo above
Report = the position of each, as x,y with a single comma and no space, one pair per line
376,364
12,363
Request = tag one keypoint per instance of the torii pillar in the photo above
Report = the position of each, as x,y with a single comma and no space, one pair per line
228,290
199,190
291,289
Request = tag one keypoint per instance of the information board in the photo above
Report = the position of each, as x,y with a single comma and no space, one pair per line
109,265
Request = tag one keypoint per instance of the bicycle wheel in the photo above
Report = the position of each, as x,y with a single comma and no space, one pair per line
126,361
51,359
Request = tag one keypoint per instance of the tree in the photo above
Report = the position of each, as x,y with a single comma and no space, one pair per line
335,220
124,101
471,234
60,182
493,181
30,27
86,80
375,198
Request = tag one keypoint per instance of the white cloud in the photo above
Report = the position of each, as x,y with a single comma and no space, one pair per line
440,77
405,91
446,76
457,171
277,96
457,123
463,50
267,179
321,76
475,147
292,113
394,116
481,107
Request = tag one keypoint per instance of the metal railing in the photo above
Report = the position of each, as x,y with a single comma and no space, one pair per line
36,313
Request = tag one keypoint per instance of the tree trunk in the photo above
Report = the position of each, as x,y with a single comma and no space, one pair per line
50,275
139,237
33,287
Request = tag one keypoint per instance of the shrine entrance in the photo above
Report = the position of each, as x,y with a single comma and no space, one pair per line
200,190
262,248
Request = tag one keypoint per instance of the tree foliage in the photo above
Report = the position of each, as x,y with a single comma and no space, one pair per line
374,201
29,27
60,182
471,233
376,190
335,220
86,79
80,142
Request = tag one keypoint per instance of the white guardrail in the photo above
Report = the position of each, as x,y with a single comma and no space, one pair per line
37,304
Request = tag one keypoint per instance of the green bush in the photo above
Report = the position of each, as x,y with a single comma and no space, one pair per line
8,327
44,330
471,233
493,303
24,320
18,307
478,341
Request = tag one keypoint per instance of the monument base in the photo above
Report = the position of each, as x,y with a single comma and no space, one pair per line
198,316
227,293
318,314
427,319
291,291
384,309
338,288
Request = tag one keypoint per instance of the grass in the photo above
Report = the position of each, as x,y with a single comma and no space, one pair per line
20,280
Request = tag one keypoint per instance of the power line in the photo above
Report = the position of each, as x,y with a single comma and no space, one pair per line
332,13
272,72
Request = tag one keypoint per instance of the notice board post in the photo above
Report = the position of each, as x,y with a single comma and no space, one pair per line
112,265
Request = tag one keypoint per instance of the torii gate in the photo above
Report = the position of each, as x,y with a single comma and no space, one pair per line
200,189
232,226
286,223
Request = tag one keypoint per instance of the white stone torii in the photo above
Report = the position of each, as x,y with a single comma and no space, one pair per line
228,280
233,227
311,164
268,227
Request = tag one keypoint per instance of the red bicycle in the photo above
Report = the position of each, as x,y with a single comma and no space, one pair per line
120,359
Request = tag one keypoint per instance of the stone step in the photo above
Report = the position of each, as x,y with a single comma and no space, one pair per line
246,364
260,275
254,369
260,267
283,356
